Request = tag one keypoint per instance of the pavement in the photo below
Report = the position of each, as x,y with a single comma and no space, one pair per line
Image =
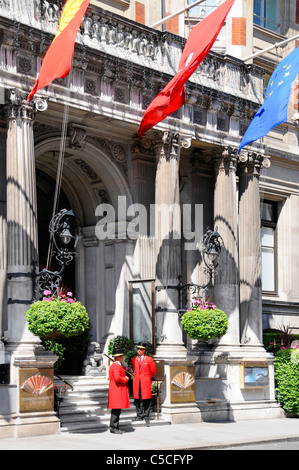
168,439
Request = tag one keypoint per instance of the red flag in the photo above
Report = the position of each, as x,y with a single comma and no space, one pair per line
58,59
198,45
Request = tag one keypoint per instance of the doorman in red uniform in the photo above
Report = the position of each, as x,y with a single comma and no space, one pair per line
118,393
144,369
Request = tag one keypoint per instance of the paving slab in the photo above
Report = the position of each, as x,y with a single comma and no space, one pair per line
176,437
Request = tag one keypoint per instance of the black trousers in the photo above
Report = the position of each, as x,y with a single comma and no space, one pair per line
114,418
143,407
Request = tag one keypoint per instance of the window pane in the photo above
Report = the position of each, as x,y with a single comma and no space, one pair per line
203,8
257,11
268,283
209,6
142,311
196,11
271,14
268,237
267,211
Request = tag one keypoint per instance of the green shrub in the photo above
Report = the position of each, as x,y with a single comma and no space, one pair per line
122,342
286,365
56,317
205,321
62,323
274,340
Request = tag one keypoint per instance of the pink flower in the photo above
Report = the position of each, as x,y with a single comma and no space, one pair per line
47,292
63,300
69,294
71,301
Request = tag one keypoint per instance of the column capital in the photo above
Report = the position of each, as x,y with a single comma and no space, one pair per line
226,159
167,143
16,105
250,163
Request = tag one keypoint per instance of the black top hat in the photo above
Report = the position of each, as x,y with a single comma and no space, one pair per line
141,346
118,352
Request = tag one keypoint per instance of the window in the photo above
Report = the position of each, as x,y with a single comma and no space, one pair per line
142,311
269,220
202,9
266,14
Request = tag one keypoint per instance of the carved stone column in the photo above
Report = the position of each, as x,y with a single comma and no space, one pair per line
226,289
170,345
250,248
21,217
3,235
168,255
21,227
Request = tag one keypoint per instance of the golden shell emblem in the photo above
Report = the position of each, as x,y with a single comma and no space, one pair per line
37,384
183,380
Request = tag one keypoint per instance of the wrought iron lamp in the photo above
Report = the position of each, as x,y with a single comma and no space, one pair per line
210,248
63,230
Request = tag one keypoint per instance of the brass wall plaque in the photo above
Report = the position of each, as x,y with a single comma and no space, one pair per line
182,384
254,374
36,389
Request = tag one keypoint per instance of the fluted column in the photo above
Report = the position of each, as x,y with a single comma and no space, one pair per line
3,234
21,218
250,248
226,289
168,255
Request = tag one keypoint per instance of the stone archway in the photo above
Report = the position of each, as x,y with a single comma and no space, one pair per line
90,177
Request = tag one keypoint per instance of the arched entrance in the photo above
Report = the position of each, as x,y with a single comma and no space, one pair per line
101,273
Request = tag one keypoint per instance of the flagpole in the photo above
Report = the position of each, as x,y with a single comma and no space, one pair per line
173,15
277,44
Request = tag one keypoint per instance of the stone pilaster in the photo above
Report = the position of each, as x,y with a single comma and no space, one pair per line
21,216
3,235
22,238
226,288
168,254
250,248
27,356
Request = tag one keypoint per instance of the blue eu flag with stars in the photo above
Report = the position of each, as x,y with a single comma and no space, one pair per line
274,110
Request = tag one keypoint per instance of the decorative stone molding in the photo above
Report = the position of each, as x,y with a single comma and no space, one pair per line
127,41
250,163
226,159
201,160
77,136
117,151
86,169
16,105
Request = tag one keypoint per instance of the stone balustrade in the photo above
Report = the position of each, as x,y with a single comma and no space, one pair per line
157,52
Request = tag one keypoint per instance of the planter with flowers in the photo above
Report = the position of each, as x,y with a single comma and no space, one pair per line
204,321
62,323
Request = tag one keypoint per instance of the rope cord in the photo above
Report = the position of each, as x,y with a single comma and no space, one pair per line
59,169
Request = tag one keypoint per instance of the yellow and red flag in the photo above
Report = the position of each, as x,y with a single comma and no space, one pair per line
58,59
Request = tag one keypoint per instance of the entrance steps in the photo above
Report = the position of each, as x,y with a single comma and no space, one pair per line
83,407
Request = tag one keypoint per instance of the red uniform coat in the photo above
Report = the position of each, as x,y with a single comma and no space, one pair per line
143,376
118,393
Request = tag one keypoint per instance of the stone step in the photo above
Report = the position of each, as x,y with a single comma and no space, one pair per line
84,406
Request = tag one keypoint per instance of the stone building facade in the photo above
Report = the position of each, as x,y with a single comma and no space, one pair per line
190,159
